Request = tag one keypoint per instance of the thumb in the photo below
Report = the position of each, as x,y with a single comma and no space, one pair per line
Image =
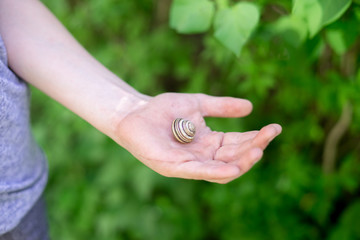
223,106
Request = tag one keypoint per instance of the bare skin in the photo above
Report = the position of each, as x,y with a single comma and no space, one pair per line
43,53
212,156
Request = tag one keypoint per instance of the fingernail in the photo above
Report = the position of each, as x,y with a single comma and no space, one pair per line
278,128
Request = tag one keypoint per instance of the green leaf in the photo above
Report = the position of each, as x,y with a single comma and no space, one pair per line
333,9
347,228
292,29
233,26
336,40
342,35
319,13
191,16
310,11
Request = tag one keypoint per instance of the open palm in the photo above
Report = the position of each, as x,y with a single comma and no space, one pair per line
212,156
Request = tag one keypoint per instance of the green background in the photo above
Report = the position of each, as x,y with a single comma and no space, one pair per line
97,190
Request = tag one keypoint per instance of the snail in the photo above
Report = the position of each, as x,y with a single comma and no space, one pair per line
183,130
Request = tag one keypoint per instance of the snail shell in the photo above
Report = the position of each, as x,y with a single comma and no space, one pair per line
183,130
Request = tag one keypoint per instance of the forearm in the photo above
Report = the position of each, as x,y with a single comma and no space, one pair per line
43,53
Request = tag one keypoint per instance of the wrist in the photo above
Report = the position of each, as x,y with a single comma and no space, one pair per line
125,103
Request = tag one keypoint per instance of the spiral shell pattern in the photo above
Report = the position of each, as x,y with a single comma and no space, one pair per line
183,130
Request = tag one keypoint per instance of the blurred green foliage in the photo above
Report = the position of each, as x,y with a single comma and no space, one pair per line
302,189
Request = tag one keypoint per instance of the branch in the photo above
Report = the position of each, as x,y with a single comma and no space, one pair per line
332,140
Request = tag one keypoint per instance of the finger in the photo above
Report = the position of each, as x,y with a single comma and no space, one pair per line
236,144
229,153
208,170
238,138
223,106
249,159
266,135
244,163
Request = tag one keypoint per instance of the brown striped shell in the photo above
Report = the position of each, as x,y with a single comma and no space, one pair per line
183,130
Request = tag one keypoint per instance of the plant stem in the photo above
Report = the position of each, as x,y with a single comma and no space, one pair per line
334,137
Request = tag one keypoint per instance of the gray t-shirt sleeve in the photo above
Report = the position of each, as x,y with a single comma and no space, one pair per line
23,166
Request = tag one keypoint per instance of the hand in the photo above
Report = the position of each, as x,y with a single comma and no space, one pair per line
211,156
142,125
